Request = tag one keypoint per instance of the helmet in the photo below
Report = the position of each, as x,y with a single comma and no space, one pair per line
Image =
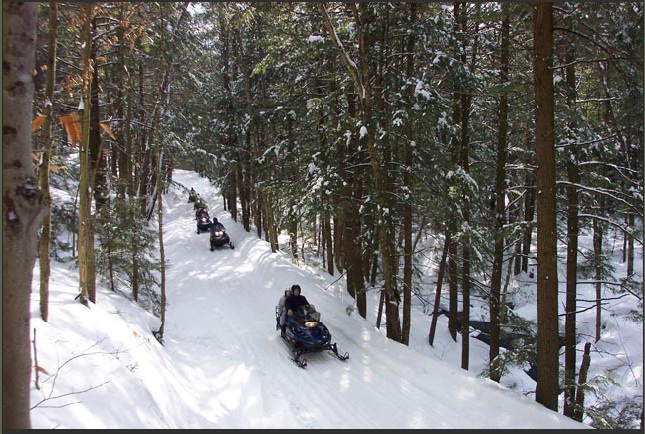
215,220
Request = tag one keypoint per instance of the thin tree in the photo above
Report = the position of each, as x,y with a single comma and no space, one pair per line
546,391
87,276
22,208
572,239
43,172
500,205
407,182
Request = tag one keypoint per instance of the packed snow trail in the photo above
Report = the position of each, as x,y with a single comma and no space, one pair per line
235,362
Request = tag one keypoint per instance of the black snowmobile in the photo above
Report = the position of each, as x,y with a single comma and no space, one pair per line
305,333
203,221
219,237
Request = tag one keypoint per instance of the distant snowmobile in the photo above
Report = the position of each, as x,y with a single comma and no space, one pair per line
305,333
203,221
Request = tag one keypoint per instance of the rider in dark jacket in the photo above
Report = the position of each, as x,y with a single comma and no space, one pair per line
295,300
217,226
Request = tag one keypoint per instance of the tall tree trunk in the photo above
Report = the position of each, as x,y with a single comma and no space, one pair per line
455,143
572,242
408,247
353,188
162,255
22,208
43,175
86,261
466,104
500,206
546,391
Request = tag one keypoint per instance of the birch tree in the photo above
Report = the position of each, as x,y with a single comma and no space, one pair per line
22,208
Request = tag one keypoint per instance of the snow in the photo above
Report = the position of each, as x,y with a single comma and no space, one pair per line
224,365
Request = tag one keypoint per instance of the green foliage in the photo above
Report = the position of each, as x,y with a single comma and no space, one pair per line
120,236
605,413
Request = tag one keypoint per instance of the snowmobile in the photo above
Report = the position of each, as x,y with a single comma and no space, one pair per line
203,223
219,237
305,333
199,203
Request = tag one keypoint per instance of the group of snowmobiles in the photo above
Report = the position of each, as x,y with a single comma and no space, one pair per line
218,235
303,331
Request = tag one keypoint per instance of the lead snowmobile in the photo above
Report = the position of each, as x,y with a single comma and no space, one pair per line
219,237
305,333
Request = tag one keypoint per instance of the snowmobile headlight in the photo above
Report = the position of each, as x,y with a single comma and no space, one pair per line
311,323
219,233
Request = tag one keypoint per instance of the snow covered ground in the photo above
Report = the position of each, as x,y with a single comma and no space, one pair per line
224,365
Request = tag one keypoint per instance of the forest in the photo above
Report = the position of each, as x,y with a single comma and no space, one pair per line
503,131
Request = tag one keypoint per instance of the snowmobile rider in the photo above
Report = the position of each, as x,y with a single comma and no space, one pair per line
295,301
192,195
282,311
217,226
201,212
199,203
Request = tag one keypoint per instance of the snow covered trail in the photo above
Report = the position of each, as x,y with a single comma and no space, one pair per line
239,369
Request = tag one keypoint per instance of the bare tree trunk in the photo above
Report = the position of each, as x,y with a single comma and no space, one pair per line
572,244
453,272
500,206
546,392
162,254
22,208
43,181
86,261
408,248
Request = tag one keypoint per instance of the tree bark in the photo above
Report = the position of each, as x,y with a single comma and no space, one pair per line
86,259
43,174
22,208
572,242
546,391
582,380
408,247
500,205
